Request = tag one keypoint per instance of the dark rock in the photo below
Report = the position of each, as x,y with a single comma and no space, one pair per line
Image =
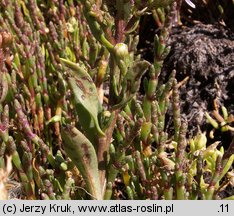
205,53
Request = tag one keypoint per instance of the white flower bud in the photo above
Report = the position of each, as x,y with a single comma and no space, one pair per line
121,51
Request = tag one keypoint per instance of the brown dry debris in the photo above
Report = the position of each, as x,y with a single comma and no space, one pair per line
4,173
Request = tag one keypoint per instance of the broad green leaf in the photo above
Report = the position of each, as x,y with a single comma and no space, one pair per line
85,94
83,155
87,123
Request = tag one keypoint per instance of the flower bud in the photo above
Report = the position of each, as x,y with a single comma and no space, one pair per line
121,51
200,141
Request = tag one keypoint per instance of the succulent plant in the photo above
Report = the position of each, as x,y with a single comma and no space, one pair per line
73,117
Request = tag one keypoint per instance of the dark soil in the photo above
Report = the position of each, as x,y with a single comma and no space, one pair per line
204,53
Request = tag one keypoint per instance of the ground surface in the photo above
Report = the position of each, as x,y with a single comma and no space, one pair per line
205,54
